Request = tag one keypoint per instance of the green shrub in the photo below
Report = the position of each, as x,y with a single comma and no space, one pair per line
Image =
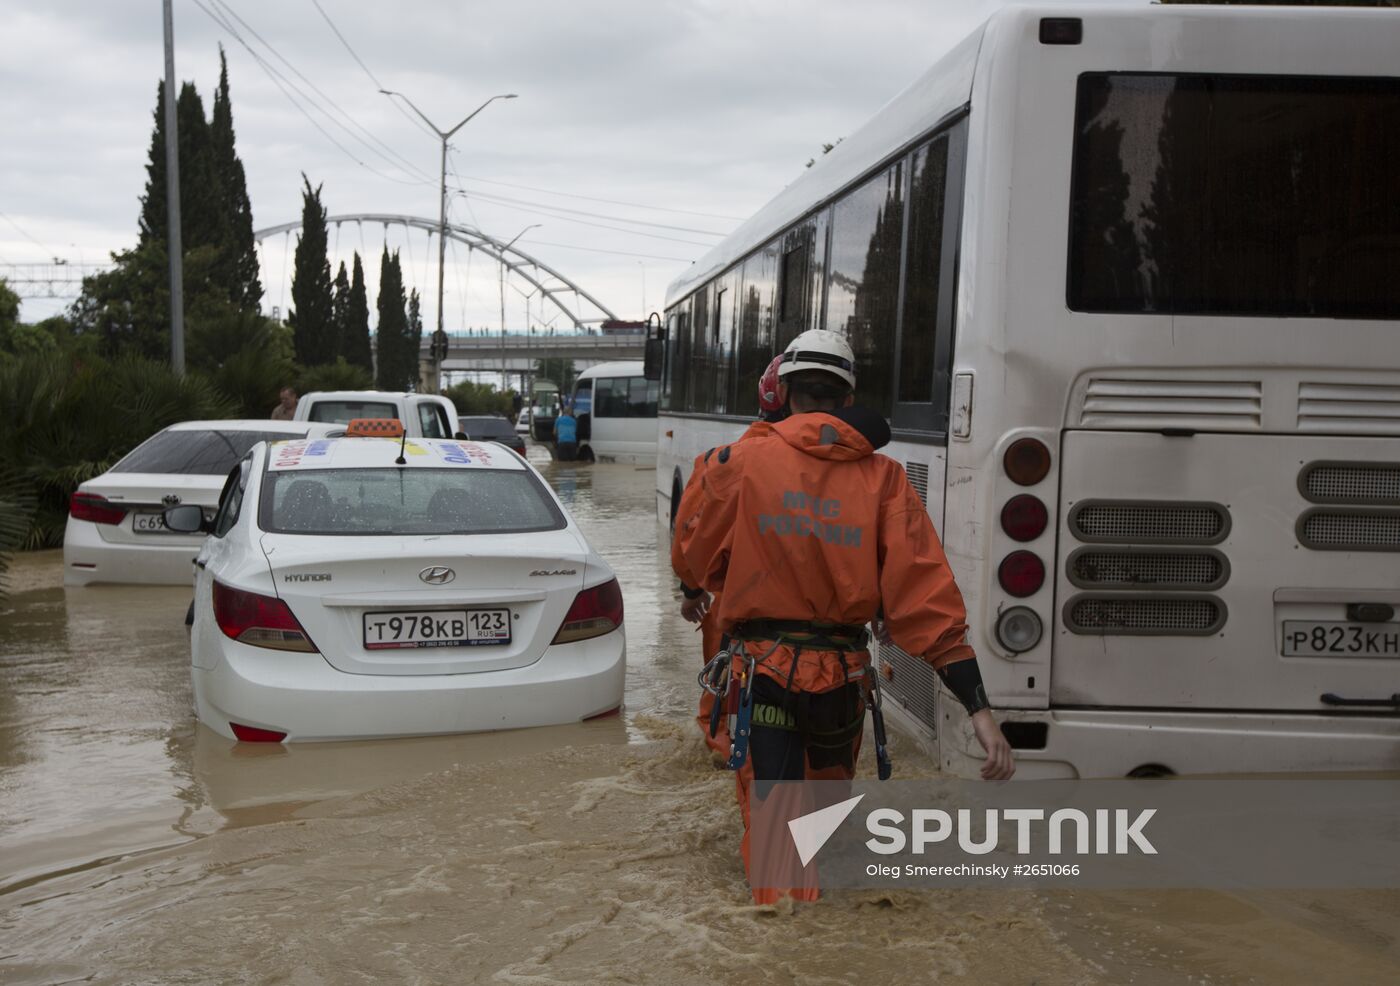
66,418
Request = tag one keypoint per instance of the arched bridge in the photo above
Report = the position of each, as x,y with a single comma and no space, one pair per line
580,307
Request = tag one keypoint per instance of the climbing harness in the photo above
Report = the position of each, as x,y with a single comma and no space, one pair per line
732,683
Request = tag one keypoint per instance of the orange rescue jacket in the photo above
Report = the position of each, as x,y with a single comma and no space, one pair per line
806,522
690,498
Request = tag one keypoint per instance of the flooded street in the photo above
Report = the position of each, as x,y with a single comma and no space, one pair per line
139,847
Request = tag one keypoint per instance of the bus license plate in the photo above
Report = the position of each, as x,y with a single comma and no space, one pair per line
436,628
1308,639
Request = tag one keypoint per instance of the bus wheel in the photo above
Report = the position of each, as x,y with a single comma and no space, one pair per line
1151,770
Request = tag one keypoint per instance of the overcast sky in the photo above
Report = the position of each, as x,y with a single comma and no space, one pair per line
706,108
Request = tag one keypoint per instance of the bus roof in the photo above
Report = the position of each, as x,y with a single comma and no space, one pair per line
623,368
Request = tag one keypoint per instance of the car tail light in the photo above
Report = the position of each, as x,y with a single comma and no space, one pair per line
262,621
1021,573
1024,517
1019,629
96,508
595,611
1027,461
252,734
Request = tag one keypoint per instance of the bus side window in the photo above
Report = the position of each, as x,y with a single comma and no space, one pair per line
610,398
862,291
641,398
925,351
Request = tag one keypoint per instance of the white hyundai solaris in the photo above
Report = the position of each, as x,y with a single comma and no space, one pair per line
361,587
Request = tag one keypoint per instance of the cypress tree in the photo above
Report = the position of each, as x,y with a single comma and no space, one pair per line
413,339
340,310
392,329
355,345
154,220
313,316
201,202
239,263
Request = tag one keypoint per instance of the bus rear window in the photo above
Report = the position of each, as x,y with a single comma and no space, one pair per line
1236,195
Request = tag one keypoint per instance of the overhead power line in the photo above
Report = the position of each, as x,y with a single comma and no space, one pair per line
592,215
287,88
24,232
402,161
590,198
372,77
553,214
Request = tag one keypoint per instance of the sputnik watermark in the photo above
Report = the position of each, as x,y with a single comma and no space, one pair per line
1219,834
1115,831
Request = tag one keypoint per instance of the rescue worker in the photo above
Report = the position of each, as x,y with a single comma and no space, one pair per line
810,535
699,606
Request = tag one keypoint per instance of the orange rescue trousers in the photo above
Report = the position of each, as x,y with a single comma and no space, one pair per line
796,735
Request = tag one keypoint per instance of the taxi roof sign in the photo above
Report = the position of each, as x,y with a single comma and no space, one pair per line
374,428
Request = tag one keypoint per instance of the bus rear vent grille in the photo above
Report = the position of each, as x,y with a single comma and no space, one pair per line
1163,615
1349,407
1353,530
1209,405
911,682
918,478
1149,522
1129,568
1352,482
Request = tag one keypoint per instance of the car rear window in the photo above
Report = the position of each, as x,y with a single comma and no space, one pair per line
486,427
384,501
196,453
343,412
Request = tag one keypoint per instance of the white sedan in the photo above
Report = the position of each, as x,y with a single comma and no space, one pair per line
115,532
348,591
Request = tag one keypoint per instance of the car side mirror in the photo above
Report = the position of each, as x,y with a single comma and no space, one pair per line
461,436
188,518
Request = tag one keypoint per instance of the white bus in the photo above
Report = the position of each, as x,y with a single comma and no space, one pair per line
616,410
1126,283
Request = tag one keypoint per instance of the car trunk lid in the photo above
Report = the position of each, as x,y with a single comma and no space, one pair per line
534,577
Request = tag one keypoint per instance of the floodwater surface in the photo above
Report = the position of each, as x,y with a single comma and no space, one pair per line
138,847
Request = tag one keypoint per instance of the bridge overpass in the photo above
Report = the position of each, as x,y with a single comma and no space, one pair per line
515,353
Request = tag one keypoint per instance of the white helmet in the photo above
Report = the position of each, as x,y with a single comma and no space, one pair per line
820,349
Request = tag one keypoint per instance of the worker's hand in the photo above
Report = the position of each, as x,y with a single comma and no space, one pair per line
694,610
1000,764
882,631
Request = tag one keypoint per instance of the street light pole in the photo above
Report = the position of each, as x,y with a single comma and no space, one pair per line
172,204
505,371
439,344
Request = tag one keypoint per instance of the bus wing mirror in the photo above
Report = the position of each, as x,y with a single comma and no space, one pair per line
655,354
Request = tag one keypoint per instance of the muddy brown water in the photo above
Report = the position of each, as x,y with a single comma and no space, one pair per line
138,847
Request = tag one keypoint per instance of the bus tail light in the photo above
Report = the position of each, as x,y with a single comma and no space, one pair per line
1027,461
262,621
595,611
1021,574
1019,629
96,508
1024,517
